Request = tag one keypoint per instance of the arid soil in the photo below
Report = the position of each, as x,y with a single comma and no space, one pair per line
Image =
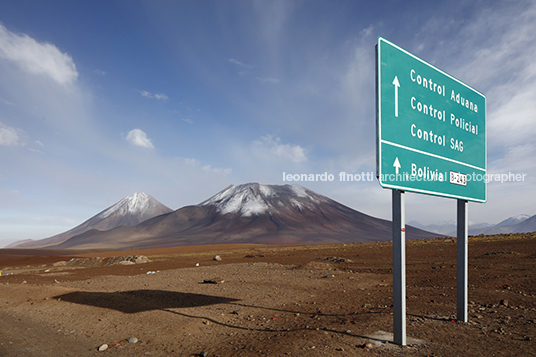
268,301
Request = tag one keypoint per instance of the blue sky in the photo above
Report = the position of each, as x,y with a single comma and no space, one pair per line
179,99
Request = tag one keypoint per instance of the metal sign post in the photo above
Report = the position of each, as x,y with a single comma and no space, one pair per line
399,268
462,261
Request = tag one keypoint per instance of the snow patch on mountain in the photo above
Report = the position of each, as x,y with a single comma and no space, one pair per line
299,190
255,199
254,206
245,203
513,220
246,199
220,196
266,190
138,202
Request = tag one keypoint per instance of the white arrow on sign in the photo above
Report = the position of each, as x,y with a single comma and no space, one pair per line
396,165
396,83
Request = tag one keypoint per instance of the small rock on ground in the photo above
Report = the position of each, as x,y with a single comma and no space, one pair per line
213,281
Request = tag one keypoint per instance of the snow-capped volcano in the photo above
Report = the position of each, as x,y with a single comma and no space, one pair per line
255,199
134,209
129,211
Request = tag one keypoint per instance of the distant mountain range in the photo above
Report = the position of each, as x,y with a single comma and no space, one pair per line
516,224
130,211
249,213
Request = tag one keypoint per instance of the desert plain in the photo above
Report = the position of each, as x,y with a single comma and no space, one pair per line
262,300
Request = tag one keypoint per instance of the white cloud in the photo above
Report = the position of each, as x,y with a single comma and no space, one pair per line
238,63
208,168
367,31
9,136
247,69
273,19
192,162
139,138
268,80
37,151
217,170
38,143
295,153
6,102
37,58
160,96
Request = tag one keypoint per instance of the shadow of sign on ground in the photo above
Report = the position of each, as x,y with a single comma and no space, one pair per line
135,301
131,302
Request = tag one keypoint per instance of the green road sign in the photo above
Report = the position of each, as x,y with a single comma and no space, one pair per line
431,128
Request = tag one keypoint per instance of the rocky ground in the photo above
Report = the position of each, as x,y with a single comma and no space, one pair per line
268,301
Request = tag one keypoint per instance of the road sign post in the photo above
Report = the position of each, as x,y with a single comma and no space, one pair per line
431,139
399,268
462,261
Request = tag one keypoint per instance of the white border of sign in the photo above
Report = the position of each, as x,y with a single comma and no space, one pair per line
379,134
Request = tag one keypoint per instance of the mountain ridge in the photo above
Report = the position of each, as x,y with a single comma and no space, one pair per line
249,213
